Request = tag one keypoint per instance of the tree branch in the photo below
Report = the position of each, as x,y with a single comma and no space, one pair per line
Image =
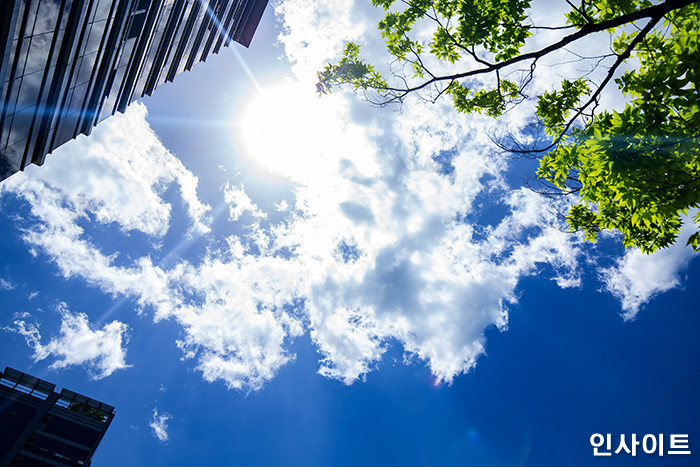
655,12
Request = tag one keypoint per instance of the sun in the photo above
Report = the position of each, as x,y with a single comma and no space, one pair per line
288,130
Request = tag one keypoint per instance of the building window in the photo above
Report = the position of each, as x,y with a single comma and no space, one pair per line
137,18
216,16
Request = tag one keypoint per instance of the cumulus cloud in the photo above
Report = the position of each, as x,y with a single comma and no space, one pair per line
314,32
235,317
139,168
380,241
159,425
637,277
101,351
239,202
434,290
413,268
387,252
232,309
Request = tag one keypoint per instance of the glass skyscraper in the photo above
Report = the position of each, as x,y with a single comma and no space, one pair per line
68,64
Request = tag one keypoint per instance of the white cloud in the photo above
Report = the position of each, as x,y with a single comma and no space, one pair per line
139,168
434,290
637,277
379,242
314,31
234,317
6,284
232,311
101,351
239,202
159,425
420,275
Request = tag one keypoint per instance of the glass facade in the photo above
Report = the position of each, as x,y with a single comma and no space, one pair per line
39,426
68,64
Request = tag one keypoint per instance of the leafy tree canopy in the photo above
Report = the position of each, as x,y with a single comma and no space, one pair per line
636,170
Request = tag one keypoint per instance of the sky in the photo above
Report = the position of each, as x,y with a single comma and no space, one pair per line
253,274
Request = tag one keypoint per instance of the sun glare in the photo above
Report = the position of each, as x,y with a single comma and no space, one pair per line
287,129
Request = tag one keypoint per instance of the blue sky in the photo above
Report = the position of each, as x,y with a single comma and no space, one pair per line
253,275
